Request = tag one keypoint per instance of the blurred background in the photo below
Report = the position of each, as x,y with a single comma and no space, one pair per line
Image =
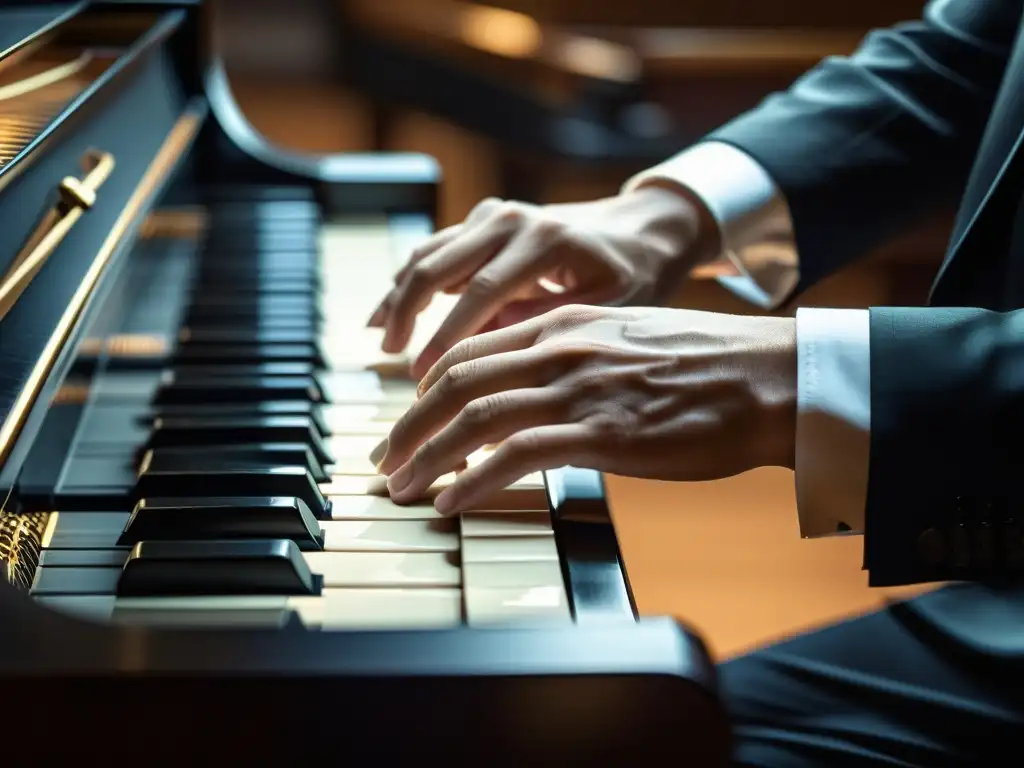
554,100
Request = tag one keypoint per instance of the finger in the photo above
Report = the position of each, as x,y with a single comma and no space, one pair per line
531,450
460,385
523,259
483,345
483,421
436,241
447,266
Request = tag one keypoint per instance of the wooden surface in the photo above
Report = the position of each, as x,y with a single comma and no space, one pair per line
724,556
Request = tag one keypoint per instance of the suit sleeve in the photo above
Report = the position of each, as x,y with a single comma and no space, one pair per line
947,415
862,147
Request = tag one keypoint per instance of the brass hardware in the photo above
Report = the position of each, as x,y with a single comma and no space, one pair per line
125,345
174,146
71,394
184,223
75,197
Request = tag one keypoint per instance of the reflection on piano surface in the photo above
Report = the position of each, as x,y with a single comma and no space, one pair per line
190,524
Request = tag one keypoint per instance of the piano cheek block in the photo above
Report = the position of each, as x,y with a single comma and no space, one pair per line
267,567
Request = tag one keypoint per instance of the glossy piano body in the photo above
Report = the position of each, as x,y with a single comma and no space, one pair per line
99,389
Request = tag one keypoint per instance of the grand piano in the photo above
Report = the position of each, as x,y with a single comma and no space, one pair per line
199,560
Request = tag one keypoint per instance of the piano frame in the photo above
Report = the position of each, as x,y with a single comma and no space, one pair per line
514,693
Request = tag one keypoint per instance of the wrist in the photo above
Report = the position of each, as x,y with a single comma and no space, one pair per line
776,392
680,217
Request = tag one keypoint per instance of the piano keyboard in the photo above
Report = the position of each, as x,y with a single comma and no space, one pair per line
220,475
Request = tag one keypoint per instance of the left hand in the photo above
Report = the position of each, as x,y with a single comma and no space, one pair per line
669,394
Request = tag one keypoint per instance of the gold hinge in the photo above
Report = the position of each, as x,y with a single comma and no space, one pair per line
75,197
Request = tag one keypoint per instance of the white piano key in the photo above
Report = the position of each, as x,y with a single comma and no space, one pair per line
538,573
486,524
342,386
378,429
373,485
377,508
385,569
351,445
351,465
339,417
514,605
370,608
510,550
391,535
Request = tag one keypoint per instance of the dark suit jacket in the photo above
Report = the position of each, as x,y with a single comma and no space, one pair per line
925,114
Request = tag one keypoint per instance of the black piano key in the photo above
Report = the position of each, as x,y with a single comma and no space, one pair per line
245,370
255,456
226,334
246,410
235,430
215,484
249,353
267,567
307,316
270,303
249,282
184,390
202,519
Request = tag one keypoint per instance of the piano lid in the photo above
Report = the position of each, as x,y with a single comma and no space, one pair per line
93,117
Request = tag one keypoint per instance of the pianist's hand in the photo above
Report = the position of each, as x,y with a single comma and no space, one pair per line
648,392
512,261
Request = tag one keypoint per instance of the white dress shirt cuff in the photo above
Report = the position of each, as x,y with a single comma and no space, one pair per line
758,259
833,419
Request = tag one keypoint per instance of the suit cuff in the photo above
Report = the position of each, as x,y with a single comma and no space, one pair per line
758,259
833,419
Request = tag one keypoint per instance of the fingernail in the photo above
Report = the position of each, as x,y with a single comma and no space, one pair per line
377,454
400,478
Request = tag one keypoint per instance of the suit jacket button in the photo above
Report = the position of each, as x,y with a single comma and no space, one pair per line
931,547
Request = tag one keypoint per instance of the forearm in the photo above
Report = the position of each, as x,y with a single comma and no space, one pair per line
863,146
947,395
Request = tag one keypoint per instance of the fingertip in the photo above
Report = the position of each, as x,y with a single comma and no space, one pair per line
393,342
444,503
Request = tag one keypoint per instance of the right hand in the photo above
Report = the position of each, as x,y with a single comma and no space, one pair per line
512,261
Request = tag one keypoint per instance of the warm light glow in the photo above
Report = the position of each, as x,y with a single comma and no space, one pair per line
498,31
597,58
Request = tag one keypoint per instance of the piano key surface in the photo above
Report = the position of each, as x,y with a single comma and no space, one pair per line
264,384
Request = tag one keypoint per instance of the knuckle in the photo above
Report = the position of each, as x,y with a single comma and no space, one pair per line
420,275
458,376
548,231
482,411
486,205
483,284
510,213
519,447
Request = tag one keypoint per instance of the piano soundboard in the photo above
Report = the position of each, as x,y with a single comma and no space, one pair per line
190,523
